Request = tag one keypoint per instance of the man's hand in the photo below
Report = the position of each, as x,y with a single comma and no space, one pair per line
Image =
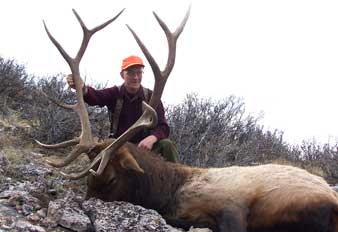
70,82
148,142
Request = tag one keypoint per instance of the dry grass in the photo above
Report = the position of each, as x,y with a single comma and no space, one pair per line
14,156
14,131
309,167
13,120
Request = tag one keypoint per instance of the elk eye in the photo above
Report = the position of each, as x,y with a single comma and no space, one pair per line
112,181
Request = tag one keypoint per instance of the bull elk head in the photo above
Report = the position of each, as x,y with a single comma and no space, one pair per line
85,143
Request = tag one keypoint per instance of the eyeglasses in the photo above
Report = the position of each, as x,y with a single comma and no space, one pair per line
133,73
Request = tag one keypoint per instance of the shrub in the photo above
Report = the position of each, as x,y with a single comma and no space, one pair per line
208,133
16,86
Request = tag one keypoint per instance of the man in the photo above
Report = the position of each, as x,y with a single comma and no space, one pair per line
125,107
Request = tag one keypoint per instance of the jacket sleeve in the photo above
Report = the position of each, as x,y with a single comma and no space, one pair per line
103,97
162,130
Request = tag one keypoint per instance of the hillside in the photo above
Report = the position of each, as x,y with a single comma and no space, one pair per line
34,196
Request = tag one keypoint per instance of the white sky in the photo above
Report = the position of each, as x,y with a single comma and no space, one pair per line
281,57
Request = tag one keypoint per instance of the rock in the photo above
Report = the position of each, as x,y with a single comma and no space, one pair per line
335,188
192,229
67,213
3,160
42,212
34,170
52,192
26,226
123,216
19,197
34,217
74,218
49,223
54,212
27,209
8,217
36,154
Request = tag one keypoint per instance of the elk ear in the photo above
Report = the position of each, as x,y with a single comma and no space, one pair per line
128,162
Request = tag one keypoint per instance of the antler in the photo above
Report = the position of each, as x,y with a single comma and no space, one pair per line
160,81
161,77
85,141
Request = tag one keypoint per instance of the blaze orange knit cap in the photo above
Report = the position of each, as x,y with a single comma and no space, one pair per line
130,61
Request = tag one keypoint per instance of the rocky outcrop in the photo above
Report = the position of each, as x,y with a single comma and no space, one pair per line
33,205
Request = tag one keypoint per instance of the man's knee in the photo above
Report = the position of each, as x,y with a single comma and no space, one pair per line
167,149
167,143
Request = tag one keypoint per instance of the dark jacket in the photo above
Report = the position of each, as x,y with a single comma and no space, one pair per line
130,112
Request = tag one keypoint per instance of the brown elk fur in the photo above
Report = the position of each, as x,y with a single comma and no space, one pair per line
258,198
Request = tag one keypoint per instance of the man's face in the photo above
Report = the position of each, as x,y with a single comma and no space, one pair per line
132,77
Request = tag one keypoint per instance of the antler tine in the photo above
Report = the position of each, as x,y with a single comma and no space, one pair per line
63,105
172,38
88,33
108,22
84,172
60,145
154,66
58,45
76,152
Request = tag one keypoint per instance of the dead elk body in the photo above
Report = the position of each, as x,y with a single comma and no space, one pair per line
258,198
235,199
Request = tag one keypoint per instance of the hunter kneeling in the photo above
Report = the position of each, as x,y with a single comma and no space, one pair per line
124,104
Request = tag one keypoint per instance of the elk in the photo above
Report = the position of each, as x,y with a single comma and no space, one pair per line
237,199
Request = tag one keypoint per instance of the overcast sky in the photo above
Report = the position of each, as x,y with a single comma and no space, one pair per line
281,57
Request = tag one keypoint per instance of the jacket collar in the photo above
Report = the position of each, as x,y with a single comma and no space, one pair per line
124,93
